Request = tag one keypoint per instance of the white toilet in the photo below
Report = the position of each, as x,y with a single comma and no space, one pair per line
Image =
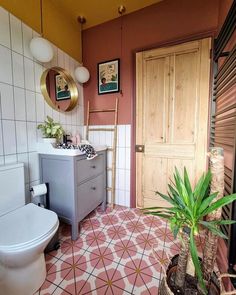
25,231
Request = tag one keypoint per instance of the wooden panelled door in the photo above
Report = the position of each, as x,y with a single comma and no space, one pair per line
171,116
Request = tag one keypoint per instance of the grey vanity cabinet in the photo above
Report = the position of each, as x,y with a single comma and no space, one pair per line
76,185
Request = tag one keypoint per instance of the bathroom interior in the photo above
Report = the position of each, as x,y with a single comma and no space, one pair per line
100,103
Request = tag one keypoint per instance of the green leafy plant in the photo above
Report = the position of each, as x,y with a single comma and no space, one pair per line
188,211
51,129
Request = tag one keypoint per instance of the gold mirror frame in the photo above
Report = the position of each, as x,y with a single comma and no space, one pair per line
71,84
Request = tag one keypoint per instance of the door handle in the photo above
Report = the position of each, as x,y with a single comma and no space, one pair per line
139,148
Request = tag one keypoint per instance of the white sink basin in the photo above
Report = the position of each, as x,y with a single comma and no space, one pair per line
48,149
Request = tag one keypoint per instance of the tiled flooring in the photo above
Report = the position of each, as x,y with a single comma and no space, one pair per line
120,251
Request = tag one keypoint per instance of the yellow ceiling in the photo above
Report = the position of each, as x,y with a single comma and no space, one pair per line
98,11
60,17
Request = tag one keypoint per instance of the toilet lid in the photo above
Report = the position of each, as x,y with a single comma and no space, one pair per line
26,224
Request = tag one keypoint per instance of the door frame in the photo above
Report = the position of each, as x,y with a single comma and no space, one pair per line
209,34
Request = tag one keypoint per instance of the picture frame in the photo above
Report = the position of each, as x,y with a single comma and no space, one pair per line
62,88
108,76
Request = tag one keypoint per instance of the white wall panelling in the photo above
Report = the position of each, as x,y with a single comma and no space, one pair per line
122,160
22,106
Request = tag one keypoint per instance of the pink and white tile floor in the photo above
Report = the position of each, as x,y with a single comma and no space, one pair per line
120,251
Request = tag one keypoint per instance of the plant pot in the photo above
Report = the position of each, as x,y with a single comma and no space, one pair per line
167,286
49,140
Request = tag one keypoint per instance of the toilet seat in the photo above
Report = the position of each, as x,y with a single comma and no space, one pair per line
25,227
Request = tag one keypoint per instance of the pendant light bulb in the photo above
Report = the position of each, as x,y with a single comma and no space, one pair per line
82,74
41,49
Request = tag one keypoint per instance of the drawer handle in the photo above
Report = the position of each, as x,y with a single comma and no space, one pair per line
93,188
93,166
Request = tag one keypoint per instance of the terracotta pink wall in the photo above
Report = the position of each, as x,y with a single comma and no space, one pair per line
170,21
223,10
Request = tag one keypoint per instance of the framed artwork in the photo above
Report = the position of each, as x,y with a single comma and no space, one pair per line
62,89
109,76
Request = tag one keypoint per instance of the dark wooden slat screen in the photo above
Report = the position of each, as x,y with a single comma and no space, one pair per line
223,116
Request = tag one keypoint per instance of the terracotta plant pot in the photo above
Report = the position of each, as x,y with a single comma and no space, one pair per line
167,284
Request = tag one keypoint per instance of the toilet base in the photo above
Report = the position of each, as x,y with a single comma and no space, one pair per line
23,280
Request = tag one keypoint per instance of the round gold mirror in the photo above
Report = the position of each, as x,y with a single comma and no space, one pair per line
59,89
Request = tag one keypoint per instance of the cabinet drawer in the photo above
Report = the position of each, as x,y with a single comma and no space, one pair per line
90,194
87,169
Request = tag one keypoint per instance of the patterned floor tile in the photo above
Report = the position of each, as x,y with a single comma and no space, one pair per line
65,248
153,221
150,291
116,232
59,266
79,243
50,261
69,282
81,257
57,277
60,291
125,248
127,215
65,232
145,241
110,220
90,224
119,251
160,233
47,288
86,284
135,226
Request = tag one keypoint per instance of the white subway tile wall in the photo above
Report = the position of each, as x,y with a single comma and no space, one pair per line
4,28
122,195
5,65
22,106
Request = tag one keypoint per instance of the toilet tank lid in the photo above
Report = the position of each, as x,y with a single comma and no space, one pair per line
11,166
26,224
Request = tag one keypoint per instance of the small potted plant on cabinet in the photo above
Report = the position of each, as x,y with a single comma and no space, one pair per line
51,130
186,216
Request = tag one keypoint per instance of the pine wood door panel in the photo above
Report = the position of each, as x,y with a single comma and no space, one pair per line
171,116
184,87
180,163
168,150
156,99
157,181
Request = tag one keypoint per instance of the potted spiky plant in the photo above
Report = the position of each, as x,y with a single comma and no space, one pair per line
186,216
